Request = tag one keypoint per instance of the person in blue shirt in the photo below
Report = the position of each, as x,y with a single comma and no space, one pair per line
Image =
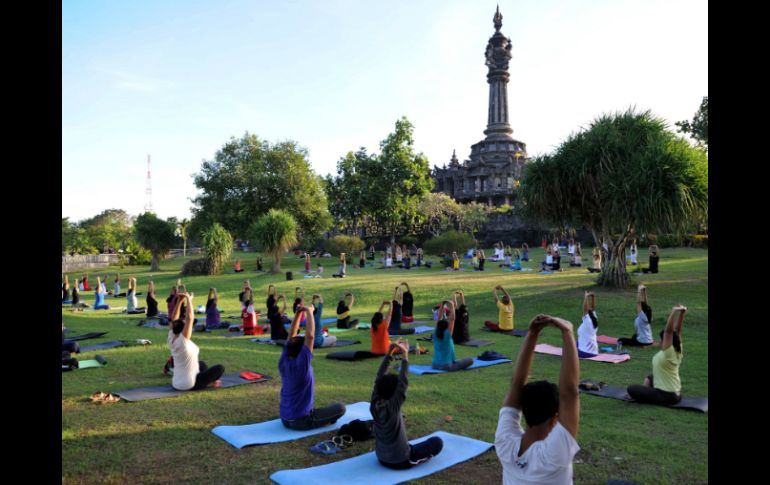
320,339
99,293
297,381
443,345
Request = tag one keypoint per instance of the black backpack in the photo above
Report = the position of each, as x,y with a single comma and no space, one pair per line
357,429
68,362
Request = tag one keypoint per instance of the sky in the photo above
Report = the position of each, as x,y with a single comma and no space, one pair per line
177,79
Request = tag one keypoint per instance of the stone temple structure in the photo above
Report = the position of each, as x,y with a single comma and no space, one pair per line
492,173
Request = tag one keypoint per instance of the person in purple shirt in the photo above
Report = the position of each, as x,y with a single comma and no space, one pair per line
296,408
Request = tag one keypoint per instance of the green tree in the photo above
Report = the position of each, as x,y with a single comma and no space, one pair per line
473,216
155,235
111,228
625,175
218,244
249,176
351,191
699,127
403,179
439,211
181,231
275,232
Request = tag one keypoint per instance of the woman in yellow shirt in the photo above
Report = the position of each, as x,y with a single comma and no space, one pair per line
663,386
505,316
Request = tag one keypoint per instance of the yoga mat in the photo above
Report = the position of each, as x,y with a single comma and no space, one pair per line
103,346
426,369
340,342
611,358
604,339
87,336
469,343
688,402
417,329
88,364
339,330
275,432
366,469
157,392
514,333
477,343
352,355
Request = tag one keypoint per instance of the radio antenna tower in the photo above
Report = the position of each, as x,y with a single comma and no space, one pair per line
148,190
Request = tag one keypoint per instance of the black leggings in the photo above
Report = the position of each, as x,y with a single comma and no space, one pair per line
652,395
70,346
594,270
348,324
632,342
206,376
317,418
419,453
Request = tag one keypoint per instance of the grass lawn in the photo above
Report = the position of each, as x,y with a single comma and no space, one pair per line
170,440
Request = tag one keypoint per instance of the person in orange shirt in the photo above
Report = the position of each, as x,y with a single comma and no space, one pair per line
380,337
237,265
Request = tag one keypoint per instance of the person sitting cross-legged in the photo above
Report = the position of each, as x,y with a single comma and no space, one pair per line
297,381
391,445
544,452
443,345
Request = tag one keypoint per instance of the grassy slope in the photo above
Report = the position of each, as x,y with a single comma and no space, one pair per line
169,440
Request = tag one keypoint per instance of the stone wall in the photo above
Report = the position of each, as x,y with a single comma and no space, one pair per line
87,261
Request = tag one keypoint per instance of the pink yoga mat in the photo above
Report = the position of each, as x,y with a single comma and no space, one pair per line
611,358
604,339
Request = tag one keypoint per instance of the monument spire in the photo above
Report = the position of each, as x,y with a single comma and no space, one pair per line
497,55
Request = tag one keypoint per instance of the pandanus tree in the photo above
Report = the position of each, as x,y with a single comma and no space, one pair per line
627,174
275,232
218,245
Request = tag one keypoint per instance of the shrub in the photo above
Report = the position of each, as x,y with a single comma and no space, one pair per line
218,244
448,242
199,266
350,245
408,240
700,241
137,255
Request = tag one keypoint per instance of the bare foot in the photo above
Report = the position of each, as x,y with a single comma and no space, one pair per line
217,383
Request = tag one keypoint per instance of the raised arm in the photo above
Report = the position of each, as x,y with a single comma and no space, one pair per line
318,297
390,313
397,294
586,297
524,362
569,399
680,322
505,293
309,327
675,319
281,298
494,292
641,296
450,306
352,299
190,317
294,328
177,307
272,290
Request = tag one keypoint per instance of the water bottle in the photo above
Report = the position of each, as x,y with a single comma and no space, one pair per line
619,346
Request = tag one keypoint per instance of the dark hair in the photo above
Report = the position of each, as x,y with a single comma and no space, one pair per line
539,402
386,385
270,300
647,311
177,326
441,326
506,297
294,345
592,316
297,302
376,320
676,341
341,307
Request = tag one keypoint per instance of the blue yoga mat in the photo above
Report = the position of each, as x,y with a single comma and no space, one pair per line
417,329
426,369
366,469
275,432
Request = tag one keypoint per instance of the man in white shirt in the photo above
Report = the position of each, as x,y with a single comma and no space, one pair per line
543,453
